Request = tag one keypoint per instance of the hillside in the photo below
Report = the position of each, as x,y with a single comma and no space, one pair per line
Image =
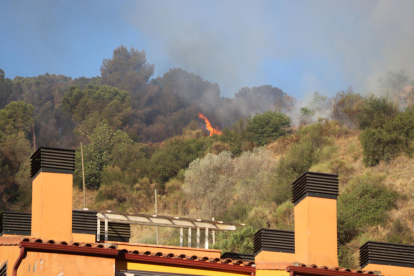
342,154
140,134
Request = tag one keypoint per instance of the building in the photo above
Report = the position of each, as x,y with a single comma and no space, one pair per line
56,240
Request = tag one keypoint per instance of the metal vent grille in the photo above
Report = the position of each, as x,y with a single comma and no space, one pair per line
116,231
3,269
13,223
52,160
84,222
315,184
274,240
386,254
237,256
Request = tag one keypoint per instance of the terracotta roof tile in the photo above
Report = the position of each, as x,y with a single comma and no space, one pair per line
191,258
341,269
11,240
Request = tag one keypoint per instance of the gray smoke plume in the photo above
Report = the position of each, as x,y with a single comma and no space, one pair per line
354,42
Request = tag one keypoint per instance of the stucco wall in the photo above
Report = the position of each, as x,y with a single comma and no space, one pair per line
39,263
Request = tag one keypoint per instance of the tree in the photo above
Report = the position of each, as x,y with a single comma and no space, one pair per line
6,89
318,102
254,171
127,70
267,126
95,104
16,117
307,113
98,154
347,106
209,183
394,82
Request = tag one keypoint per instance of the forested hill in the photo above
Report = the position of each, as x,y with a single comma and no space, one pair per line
142,133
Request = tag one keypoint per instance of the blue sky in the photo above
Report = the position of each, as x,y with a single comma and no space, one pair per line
298,46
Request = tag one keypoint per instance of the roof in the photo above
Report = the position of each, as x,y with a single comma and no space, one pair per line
304,270
109,250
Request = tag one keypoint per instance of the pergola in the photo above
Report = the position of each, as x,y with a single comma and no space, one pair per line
166,221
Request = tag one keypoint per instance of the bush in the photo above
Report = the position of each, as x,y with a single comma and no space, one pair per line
404,124
298,160
346,257
347,107
284,216
363,203
376,112
267,126
380,145
400,233
176,154
239,241
209,183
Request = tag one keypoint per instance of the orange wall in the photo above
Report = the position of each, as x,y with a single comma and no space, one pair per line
9,254
316,231
210,253
387,270
52,206
39,263
268,256
88,238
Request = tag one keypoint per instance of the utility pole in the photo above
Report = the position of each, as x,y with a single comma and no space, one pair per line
156,213
83,177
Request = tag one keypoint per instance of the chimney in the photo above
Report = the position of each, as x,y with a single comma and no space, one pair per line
314,198
52,183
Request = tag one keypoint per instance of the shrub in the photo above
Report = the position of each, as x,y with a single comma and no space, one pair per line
403,124
267,126
346,257
380,145
283,217
347,107
400,233
298,160
376,112
363,203
209,183
174,155
239,241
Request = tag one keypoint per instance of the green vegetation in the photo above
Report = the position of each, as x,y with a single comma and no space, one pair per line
267,127
363,203
141,133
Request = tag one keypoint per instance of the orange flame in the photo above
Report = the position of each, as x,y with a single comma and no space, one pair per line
209,126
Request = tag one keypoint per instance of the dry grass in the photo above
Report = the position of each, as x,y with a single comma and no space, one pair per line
78,198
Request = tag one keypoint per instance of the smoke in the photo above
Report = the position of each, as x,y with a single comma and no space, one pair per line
222,41
323,45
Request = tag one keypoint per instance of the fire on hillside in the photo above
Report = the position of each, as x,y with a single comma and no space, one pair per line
209,127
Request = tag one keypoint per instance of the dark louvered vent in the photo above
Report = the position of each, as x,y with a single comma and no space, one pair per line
116,231
274,240
386,254
316,185
237,256
13,223
3,269
52,160
84,222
